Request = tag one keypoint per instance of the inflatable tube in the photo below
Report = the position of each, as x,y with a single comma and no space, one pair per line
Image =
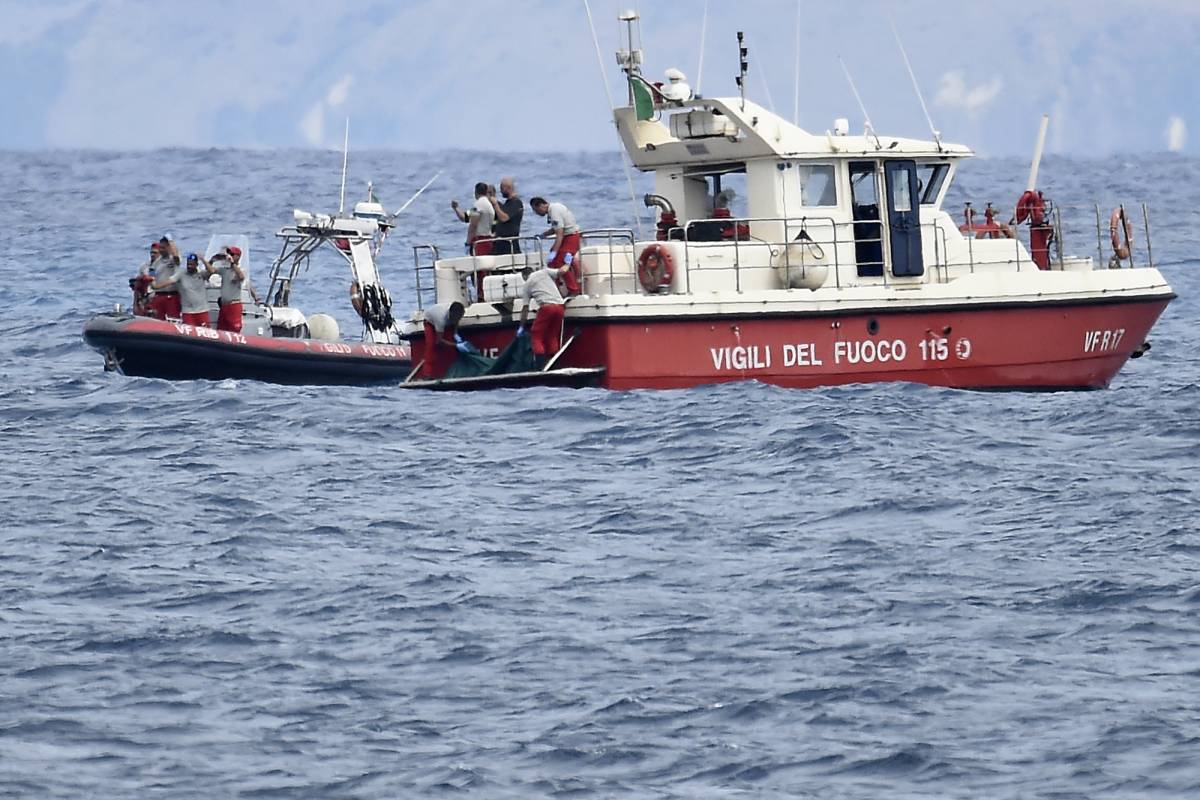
145,347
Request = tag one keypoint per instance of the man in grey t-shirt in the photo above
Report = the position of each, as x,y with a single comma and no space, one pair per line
192,286
165,303
542,285
228,265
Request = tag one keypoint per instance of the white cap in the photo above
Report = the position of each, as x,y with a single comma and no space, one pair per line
675,76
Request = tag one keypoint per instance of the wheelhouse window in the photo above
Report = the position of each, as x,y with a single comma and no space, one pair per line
817,185
930,178
901,197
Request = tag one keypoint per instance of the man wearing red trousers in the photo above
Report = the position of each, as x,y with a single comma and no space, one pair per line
165,304
191,286
542,285
442,342
565,231
227,264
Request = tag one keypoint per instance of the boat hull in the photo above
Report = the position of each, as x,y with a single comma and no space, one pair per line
1026,346
569,378
145,347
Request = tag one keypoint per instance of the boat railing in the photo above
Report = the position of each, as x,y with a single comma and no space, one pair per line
428,268
530,253
1140,248
800,235
618,241
1136,239
530,247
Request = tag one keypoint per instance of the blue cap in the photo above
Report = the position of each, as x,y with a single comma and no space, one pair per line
192,257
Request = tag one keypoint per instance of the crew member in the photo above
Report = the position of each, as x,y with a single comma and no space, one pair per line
565,231
508,219
442,342
542,285
191,286
479,221
227,264
140,284
149,266
165,303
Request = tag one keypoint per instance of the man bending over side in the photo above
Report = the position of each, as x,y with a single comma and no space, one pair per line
542,285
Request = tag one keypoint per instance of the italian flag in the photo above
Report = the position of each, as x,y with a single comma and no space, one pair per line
643,101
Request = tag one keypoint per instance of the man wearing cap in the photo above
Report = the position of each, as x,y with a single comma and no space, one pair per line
165,303
542,285
227,264
565,231
442,342
191,286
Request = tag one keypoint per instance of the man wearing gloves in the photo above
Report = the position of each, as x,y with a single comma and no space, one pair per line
565,231
542,285
442,342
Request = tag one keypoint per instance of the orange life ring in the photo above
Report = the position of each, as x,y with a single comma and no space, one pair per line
1120,248
655,268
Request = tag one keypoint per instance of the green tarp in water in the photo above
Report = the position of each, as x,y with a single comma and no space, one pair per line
517,357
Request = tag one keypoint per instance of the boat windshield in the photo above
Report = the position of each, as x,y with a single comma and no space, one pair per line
222,240
930,178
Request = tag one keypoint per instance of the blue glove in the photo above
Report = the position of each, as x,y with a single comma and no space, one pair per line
569,259
458,338
550,256
463,347
520,331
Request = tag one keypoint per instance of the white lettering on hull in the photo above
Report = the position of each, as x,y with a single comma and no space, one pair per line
741,358
801,354
854,352
869,351
1102,341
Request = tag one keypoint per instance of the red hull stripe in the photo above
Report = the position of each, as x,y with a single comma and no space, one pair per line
152,328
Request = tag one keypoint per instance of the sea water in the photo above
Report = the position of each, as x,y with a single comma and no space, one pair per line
238,589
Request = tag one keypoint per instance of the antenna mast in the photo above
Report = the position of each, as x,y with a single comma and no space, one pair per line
796,75
703,32
1037,154
629,17
345,158
743,65
937,136
863,108
628,62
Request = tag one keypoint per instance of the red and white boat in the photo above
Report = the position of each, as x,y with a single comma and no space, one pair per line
277,343
841,267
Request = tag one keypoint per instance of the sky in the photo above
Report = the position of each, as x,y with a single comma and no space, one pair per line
523,75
